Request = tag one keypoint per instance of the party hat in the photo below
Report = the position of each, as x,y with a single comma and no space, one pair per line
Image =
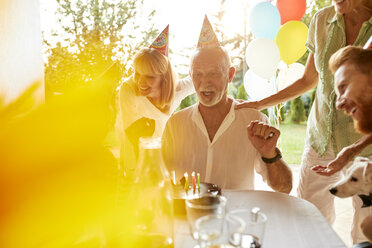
368,44
207,36
161,42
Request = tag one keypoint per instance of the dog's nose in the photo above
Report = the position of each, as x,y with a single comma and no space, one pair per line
333,191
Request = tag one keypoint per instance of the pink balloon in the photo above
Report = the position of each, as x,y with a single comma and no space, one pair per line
291,10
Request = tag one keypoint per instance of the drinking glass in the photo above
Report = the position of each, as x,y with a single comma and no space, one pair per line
252,233
209,228
235,227
205,205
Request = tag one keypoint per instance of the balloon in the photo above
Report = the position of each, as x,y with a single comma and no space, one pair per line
282,65
291,40
264,20
256,87
263,57
291,10
289,75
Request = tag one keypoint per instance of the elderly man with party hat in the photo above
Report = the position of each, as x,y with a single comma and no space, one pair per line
210,137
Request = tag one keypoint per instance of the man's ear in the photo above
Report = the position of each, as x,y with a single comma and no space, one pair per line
367,172
231,73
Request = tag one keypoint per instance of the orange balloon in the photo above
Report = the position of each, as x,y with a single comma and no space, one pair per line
291,10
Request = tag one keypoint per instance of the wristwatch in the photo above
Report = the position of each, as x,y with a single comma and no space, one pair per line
274,159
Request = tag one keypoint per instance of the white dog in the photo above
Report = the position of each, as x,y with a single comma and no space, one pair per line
357,180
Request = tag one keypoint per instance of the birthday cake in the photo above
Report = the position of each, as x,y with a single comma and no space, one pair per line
180,195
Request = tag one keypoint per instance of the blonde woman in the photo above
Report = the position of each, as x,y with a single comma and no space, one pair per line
147,99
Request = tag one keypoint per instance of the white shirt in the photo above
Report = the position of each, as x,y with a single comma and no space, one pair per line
134,107
228,161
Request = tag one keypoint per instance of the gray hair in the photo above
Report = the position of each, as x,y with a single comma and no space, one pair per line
219,51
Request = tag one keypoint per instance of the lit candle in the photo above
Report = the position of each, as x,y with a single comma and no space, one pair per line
193,181
174,177
198,175
186,182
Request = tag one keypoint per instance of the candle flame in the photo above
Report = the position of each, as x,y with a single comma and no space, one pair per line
174,177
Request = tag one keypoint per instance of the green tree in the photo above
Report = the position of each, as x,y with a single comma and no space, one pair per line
95,46
242,94
92,36
188,101
297,111
283,113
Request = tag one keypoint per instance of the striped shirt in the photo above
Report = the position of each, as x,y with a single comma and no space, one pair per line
327,124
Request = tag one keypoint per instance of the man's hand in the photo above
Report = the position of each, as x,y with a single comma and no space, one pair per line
343,157
263,138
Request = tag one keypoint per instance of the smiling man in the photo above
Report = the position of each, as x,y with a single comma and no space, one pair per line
353,85
352,69
210,136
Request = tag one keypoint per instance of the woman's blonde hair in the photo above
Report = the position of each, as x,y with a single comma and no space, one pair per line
149,60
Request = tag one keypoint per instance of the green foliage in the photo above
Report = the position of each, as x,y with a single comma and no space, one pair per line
242,94
90,40
283,114
94,43
265,111
313,7
188,101
297,112
232,90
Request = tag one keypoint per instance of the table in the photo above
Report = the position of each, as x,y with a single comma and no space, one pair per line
291,222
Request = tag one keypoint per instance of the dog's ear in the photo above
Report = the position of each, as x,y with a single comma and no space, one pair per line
367,172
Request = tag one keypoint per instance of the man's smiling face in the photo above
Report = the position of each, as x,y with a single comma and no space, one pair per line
354,95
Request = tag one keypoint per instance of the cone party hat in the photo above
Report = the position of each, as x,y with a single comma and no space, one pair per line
161,42
207,36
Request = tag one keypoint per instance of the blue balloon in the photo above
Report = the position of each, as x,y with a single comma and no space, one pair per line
264,20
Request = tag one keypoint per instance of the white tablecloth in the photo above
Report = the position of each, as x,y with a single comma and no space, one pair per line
291,222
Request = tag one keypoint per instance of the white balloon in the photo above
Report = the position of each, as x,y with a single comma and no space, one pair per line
289,75
282,65
257,87
263,57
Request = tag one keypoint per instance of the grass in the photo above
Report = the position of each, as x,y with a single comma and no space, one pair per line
292,141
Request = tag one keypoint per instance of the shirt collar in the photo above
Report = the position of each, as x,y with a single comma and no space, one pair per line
338,17
335,17
198,120
196,116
